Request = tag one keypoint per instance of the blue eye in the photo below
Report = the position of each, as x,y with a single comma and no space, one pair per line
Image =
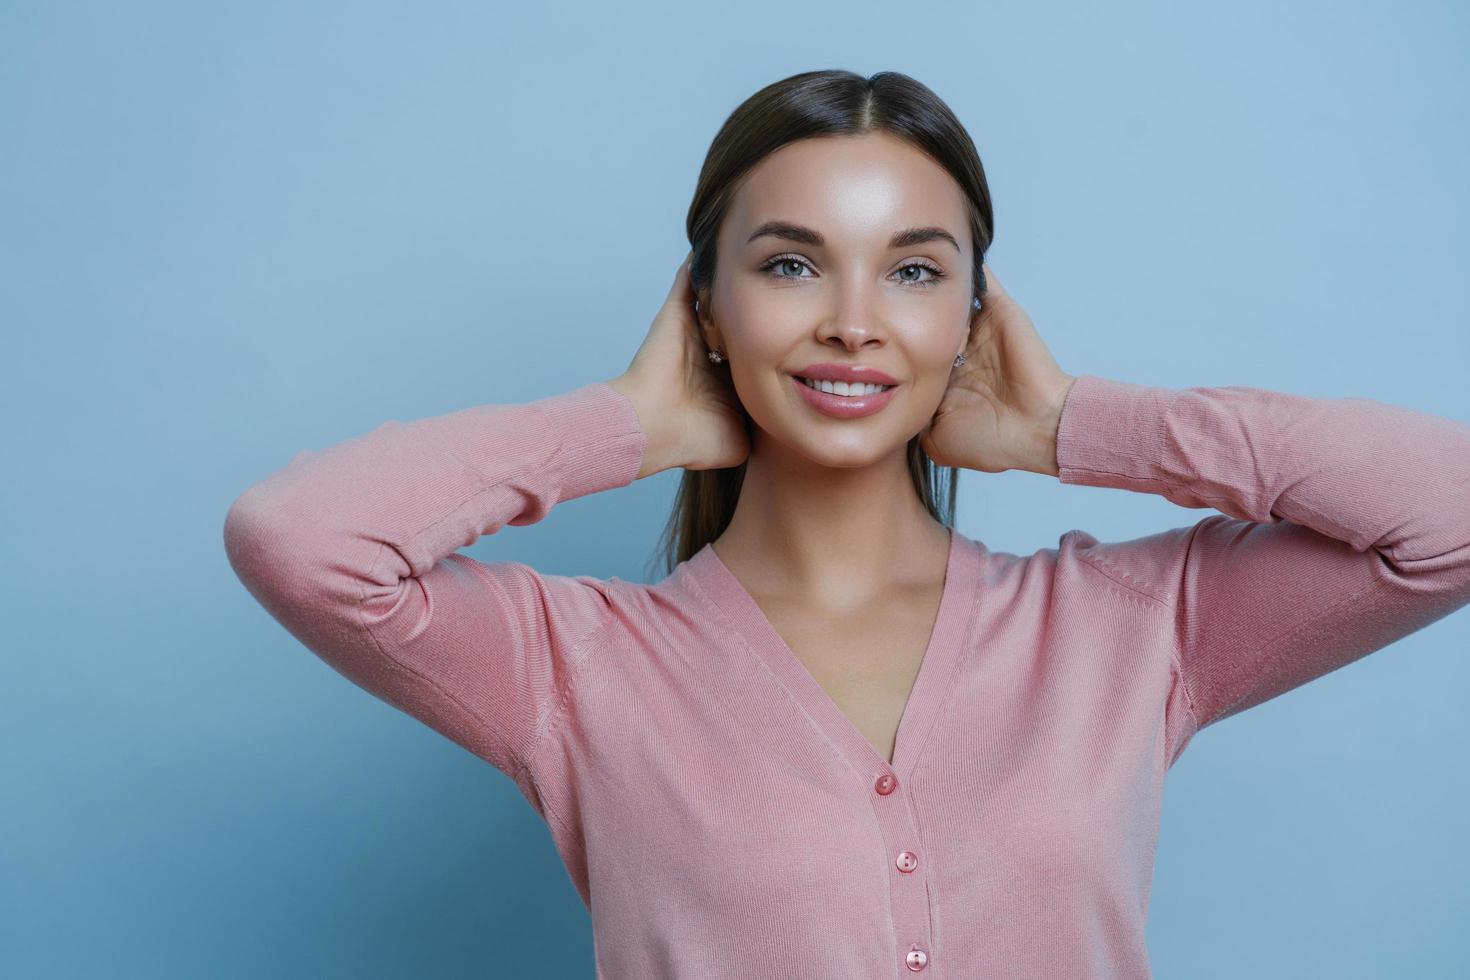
781,260
935,274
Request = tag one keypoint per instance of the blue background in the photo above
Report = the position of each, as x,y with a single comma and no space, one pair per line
229,232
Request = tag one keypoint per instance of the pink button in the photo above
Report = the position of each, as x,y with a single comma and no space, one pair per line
907,861
917,959
885,784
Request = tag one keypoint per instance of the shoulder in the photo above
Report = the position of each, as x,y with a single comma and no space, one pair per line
1150,566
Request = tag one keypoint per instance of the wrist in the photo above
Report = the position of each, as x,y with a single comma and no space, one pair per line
656,422
1046,455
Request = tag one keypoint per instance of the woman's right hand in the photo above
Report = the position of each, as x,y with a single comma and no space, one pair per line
685,402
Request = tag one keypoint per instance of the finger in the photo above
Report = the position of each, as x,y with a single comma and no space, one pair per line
991,282
993,291
683,287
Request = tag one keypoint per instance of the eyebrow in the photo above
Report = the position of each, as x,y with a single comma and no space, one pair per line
907,238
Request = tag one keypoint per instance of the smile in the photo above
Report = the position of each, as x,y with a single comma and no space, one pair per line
845,388
842,400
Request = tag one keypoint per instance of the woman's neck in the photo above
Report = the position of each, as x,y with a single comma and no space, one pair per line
838,535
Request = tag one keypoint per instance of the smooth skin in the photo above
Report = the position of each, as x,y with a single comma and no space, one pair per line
829,535
1000,410
817,489
828,510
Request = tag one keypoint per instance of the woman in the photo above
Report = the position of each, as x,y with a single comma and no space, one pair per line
840,738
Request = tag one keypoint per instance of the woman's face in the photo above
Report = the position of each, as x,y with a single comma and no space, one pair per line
844,293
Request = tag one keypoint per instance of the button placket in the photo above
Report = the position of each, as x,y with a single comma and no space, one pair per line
911,898
916,958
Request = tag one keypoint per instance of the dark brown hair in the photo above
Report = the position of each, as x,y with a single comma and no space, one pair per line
813,104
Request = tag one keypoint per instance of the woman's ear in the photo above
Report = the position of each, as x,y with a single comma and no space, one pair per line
706,322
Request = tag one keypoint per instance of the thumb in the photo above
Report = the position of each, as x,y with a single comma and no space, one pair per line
993,286
682,285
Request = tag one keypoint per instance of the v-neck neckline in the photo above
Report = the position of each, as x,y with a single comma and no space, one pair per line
947,639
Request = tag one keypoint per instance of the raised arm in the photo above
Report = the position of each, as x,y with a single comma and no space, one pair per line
352,548
1346,525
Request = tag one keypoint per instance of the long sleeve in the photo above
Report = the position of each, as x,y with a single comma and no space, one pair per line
352,549
1344,526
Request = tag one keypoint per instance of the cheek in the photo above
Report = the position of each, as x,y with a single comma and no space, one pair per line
758,377
940,347
763,336
931,351
931,365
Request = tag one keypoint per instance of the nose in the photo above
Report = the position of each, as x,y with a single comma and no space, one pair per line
855,324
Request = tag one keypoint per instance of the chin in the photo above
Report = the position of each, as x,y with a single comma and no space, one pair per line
853,450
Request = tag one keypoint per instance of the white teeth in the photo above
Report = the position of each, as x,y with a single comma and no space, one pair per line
850,390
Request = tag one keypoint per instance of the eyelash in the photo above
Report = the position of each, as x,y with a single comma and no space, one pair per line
936,274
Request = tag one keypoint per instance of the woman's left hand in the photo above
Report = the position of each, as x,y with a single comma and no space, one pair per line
1003,405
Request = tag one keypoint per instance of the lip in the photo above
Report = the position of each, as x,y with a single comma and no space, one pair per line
843,406
828,371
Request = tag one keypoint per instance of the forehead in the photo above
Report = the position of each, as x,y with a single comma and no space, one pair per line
855,189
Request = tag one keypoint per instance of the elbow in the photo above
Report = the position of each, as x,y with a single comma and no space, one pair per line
1439,575
296,562
253,547
270,554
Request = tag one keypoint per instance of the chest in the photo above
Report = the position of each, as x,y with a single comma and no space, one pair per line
866,663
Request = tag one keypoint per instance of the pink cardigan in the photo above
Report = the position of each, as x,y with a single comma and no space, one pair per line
718,813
